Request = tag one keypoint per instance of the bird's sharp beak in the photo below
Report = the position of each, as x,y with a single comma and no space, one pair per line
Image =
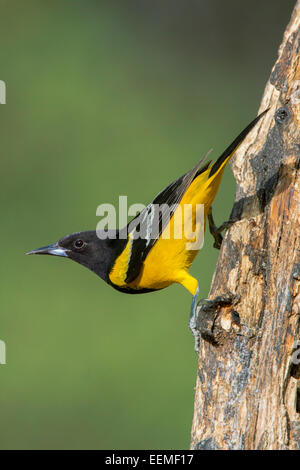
53,249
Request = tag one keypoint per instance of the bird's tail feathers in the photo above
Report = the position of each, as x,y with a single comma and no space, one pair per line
223,159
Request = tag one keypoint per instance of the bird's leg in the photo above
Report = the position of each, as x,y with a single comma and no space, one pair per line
193,321
216,231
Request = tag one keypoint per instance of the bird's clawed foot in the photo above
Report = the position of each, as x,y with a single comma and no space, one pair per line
216,231
203,317
207,312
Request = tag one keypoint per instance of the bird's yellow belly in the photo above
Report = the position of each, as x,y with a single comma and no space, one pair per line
164,265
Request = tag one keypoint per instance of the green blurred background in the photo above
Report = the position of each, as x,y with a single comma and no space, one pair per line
109,98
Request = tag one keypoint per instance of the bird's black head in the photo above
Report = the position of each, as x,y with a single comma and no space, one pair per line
87,249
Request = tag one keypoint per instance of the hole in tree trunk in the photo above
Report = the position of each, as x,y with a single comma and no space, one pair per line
298,400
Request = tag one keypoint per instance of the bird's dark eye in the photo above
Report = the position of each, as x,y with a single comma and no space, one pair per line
78,244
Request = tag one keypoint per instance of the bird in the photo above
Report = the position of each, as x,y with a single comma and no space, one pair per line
146,255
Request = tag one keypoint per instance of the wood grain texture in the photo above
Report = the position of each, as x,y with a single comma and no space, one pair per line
248,384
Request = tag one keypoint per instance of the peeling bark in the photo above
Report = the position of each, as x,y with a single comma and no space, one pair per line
248,383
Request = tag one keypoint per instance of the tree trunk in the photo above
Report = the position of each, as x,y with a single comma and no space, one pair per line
248,383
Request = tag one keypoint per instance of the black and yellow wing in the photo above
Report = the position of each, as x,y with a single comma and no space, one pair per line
145,229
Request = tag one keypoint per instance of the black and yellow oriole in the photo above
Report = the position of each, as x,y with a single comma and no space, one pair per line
136,265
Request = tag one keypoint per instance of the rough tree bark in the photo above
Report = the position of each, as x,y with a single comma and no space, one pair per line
248,383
